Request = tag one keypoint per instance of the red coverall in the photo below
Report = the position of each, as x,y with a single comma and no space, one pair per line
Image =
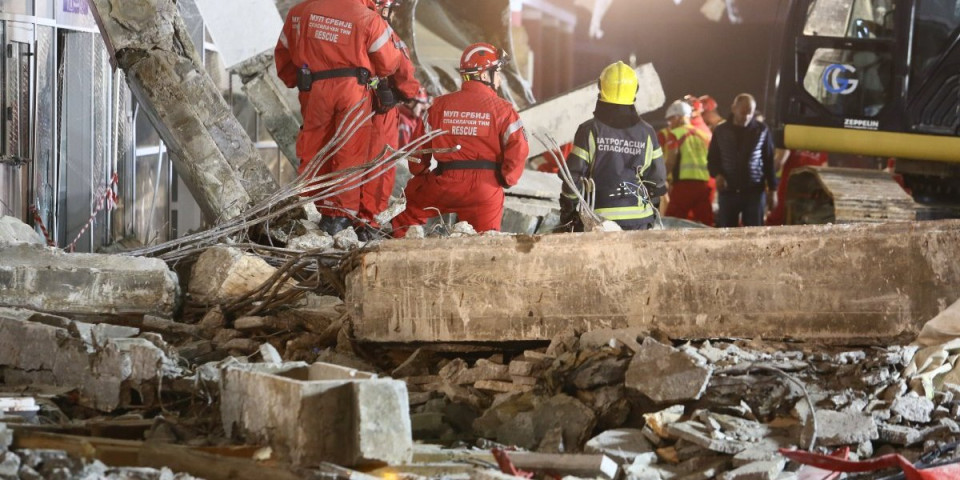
375,194
797,159
487,128
325,35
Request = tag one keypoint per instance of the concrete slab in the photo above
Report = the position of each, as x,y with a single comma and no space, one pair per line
310,414
534,184
104,374
839,284
52,281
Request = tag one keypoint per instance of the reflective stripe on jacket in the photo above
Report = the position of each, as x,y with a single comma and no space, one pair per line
618,160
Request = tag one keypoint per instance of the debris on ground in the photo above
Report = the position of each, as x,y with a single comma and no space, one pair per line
248,368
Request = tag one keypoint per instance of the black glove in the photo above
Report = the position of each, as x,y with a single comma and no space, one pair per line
502,180
569,216
384,97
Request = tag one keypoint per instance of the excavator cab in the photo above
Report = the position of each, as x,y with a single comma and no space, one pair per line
876,78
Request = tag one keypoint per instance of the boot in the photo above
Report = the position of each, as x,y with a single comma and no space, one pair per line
366,233
333,225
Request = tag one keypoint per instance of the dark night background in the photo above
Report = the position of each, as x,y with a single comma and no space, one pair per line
691,53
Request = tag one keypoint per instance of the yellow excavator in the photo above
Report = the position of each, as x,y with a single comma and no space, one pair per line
876,78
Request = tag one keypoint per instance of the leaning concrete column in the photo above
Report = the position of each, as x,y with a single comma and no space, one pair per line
269,97
211,151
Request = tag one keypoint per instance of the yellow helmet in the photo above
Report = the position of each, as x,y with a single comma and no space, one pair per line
619,84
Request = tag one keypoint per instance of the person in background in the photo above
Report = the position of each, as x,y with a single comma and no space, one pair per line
710,114
616,158
390,91
741,160
411,116
492,155
686,151
330,50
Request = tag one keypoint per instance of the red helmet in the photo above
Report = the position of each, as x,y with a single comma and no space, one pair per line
694,103
709,104
481,57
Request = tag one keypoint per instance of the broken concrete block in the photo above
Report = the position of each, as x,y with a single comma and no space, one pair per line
510,421
665,374
12,231
913,408
312,240
844,428
539,185
614,338
549,223
317,413
105,375
768,470
623,445
223,274
6,437
574,418
598,373
463,229
482,370
658,421
501,387
523,215
697,434
269,354
50,280
734,298
899,435
9,465
346,239
416,232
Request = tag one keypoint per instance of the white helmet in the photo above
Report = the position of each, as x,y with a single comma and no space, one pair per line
679,108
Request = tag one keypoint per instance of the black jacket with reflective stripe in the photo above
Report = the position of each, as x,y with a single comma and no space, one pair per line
614,156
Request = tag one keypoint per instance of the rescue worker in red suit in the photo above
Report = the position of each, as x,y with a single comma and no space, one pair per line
796,159
411,116
687,145
330,49
696,115
492,156
375,193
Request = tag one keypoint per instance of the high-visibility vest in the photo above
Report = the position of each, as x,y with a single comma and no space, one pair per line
694,146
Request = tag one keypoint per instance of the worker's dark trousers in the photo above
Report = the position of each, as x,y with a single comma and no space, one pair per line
740,207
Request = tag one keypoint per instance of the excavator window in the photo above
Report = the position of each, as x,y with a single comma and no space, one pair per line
938,22
851,80
850,19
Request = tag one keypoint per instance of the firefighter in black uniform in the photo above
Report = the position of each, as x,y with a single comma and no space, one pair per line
616,158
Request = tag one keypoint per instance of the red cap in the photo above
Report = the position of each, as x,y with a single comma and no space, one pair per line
708,103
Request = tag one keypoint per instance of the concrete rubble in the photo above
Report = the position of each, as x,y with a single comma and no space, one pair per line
263,369
435,290
47,279
315,413
109,368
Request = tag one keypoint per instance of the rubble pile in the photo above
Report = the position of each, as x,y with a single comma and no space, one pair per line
246,367
700,410
34,464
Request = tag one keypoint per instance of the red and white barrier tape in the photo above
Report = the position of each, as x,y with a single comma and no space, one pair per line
43,228
106,194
